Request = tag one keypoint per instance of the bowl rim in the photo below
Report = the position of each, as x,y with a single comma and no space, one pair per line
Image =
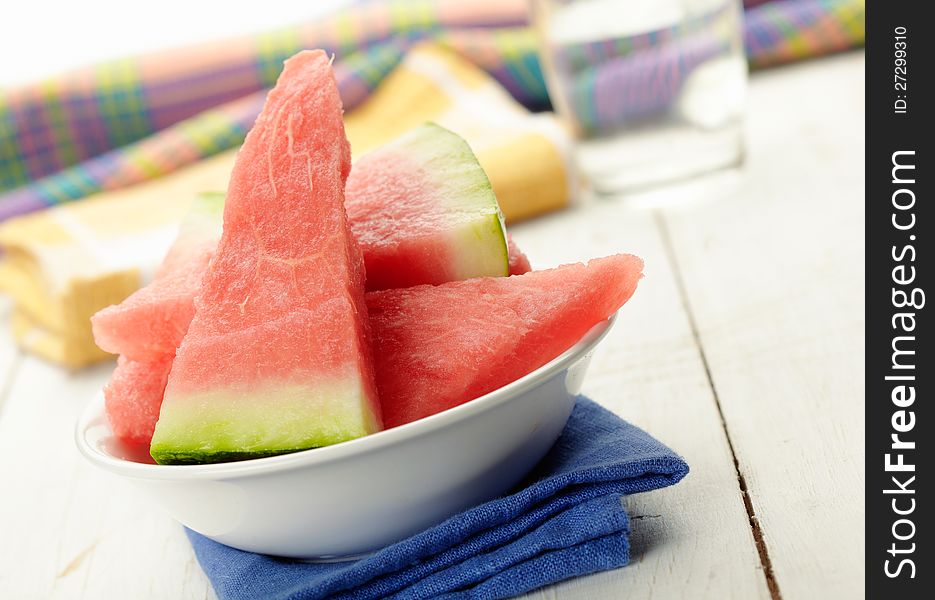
93,412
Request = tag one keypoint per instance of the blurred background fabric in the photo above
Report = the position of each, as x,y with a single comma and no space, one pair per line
142,135
52,125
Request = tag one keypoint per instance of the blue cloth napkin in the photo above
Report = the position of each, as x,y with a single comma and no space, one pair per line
566,519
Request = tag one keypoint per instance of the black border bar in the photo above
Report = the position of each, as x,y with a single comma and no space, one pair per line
900,369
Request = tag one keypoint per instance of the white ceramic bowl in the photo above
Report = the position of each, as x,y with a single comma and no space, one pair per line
358,496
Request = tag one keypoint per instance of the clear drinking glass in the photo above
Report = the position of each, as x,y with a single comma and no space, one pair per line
654,90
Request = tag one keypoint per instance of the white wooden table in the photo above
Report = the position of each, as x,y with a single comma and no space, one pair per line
742,349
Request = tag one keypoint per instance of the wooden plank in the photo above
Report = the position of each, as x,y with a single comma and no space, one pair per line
693,537
71,531
773,274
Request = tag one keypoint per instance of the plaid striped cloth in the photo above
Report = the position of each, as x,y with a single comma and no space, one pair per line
783,32
58,123
135,119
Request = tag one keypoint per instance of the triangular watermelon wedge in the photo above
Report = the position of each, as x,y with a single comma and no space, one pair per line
423,211
519,262
436,347
277,357
133,397
151,322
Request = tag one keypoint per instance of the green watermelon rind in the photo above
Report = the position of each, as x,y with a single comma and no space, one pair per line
171,457
205,429
449,158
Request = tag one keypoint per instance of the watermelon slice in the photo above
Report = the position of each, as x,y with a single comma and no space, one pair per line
151,322
423,211
519,263
436,347
133,396
277,357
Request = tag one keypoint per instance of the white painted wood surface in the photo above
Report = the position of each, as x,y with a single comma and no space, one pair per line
774,277
743,342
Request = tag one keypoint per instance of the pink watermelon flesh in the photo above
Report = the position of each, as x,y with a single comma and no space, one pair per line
277,357
437,347
133,396
519,263
423,211
151,322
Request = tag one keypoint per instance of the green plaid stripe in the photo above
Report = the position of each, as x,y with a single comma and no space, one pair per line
272,49
12,167
64,147
120,101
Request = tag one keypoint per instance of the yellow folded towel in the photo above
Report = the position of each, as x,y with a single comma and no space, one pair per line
64,264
